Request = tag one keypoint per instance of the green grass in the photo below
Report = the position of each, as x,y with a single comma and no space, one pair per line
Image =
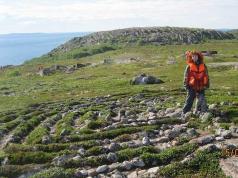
55,173
205,164
169,154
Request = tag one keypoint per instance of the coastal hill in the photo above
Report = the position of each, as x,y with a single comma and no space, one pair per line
145,35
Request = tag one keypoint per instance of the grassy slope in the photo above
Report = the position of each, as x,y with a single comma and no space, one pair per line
109,79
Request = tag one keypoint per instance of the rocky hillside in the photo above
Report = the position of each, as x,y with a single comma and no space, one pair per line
147,35
234,32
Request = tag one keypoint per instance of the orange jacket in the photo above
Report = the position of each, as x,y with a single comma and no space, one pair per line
196,75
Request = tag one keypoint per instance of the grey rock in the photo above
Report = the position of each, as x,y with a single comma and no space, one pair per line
133,175
212,106
81,151
151,109
137,163
114,147
224,133
205,139
234,131
164,127
162,139
81,173
192,132
60,160
188,115
153,170
209,148
152,122
144,79
114,166
219,139
106,141
171,134
102,169
112,157
46,139
92,172
206,116
169,110
176,113
126,165
145,141
76,158
118,175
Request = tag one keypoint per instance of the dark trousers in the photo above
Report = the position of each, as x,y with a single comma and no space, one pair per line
201,104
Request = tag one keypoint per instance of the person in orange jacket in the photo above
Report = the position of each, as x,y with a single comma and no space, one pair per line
196,81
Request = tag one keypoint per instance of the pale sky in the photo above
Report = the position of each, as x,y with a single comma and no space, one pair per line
29,16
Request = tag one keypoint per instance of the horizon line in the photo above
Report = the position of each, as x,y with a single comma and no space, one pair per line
58,32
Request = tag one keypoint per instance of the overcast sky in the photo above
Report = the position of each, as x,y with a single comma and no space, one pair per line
24,16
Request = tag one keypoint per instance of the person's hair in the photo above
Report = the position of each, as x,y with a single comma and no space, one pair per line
190,53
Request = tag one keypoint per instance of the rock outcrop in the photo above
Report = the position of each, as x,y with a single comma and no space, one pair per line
145,35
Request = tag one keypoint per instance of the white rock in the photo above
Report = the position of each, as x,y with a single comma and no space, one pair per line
102,169
153,170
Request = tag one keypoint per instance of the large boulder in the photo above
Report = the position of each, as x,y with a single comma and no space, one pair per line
145,79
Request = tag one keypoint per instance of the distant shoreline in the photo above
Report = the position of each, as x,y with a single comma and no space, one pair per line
16,48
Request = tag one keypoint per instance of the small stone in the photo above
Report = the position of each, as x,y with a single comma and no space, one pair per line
219,139
118,175
209,148
176,113
152,122
60,160
188,115
133,175
212,106
126,165
226,134
81,173
174,143
145,141
92,172
192,132
46,139
81,151
164,127
76,158
114,147
138,163
206,116
153,170
205,139
161,132
112,157
106,141
162,139
151,109
102,169
114,166
234,131
169,110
